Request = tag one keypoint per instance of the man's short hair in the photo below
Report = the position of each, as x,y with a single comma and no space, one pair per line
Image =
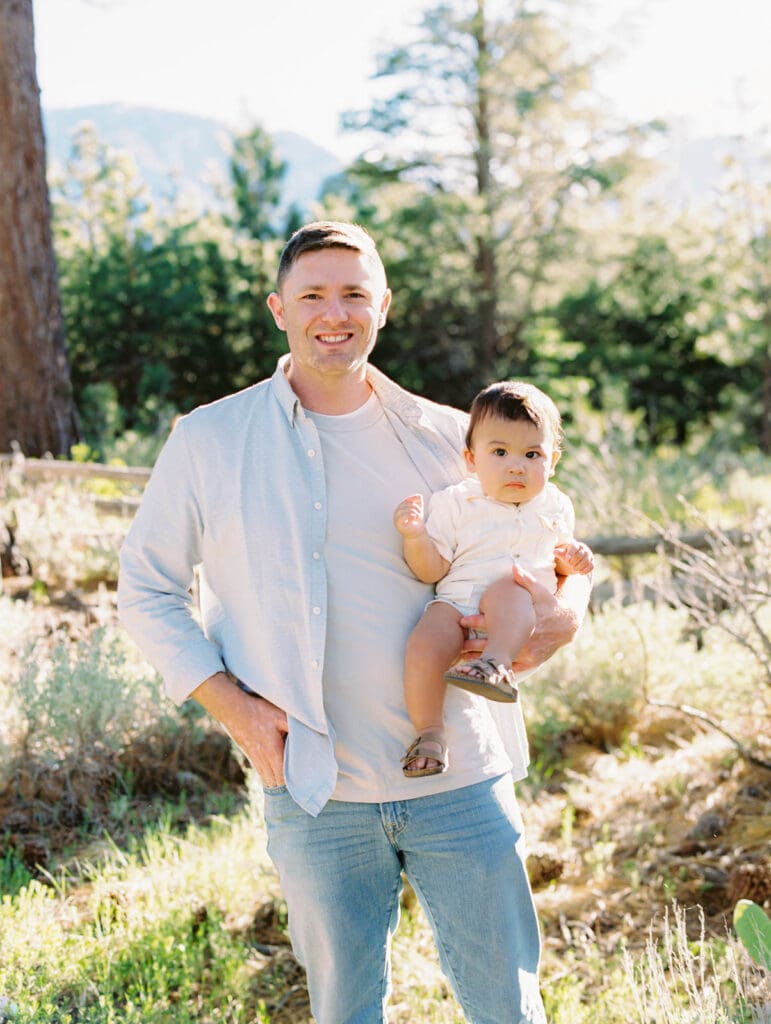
516,400
327,234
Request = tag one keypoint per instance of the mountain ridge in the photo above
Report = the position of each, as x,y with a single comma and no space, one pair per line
176,152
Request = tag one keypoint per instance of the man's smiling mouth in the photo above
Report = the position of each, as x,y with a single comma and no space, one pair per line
333,339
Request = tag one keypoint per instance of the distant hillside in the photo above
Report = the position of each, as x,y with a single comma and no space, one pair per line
188,154
185,152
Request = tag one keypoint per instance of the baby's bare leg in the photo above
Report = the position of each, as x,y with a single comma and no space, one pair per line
433,646
510,617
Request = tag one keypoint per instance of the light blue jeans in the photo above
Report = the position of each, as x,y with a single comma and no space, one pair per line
462,851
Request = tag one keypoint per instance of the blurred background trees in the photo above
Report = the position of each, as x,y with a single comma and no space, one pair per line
517,229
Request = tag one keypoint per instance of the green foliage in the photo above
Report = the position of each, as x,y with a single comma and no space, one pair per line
162,313
635,335
14,874
257,175
78,699
499,194
753,927
149,941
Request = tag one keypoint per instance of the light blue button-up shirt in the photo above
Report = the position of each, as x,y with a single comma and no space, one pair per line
238,491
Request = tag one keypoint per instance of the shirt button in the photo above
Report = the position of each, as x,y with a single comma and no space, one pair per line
317,611
311,452
316,555
317,505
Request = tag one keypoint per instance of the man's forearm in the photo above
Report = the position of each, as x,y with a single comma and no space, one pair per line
573,594
255,725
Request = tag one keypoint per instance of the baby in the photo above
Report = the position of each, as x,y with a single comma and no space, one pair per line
506,513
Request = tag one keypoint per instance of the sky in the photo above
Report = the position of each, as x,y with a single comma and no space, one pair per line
295,65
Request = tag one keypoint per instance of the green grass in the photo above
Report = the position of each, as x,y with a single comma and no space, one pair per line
158,934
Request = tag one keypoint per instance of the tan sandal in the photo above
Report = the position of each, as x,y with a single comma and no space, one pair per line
488,678
429,744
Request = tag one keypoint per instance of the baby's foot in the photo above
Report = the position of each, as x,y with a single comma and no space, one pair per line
426,755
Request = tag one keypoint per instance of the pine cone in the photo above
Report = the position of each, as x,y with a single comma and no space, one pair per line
544,865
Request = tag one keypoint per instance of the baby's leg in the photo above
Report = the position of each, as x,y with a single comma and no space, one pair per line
432,647
510,617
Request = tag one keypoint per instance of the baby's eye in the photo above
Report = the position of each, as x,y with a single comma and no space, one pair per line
533,455
500,453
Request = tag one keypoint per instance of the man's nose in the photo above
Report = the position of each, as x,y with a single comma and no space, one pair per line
334,310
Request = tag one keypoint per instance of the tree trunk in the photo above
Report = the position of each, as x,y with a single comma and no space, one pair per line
485,261
36,405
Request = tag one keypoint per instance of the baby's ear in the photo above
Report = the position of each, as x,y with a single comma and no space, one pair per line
468,455
555,457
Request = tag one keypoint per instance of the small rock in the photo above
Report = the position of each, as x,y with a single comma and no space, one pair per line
709,826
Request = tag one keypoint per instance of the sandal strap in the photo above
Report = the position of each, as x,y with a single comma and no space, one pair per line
418,747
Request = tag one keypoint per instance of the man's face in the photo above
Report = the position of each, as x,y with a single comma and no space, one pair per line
331,305
512,458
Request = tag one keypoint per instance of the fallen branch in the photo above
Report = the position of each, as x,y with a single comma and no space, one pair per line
691,712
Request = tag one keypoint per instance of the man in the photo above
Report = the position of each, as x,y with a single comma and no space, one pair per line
284,495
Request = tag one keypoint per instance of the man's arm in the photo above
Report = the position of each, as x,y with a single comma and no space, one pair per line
558,617
258,727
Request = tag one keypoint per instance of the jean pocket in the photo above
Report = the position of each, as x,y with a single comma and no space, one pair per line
274,790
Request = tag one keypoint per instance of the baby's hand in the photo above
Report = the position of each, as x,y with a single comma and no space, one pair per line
573,558
409,519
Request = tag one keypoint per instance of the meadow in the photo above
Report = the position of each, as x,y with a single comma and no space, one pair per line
134,882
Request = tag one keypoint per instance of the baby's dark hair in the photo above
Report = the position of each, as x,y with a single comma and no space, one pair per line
515,400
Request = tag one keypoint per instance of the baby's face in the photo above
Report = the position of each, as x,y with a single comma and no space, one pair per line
513,459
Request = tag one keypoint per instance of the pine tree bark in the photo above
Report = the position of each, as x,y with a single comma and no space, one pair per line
36,404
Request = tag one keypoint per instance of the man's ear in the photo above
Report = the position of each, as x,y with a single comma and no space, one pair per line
276,306
468,455
384,307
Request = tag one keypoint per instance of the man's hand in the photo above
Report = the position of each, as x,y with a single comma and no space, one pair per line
556,625
258,727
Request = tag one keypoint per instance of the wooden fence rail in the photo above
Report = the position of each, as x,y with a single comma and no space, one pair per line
37,468
127,506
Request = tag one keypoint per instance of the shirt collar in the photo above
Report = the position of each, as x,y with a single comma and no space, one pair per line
390,394
282,389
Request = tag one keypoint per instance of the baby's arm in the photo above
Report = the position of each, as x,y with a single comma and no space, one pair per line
572,558
420,552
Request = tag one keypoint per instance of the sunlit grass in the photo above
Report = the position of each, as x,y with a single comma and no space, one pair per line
130,937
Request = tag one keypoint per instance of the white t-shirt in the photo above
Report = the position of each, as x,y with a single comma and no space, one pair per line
374,601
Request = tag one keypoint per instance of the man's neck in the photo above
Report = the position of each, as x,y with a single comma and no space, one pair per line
330,396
